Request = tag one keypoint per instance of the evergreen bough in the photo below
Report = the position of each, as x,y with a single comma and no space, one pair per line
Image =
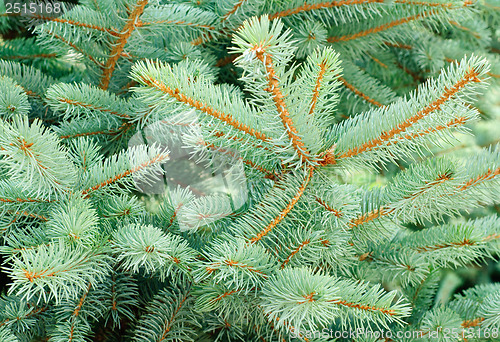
366,195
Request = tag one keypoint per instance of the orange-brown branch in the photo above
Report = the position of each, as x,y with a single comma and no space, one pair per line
250,163
247,267
303,8
227,118
25,213
399,45
470,76
219,134
428,185
315,96
370,216
455,122
202,39
379,62
335,212
82,300
124,35
32,276
285,211
233,10
384,211
364,307
76,48
86,134
31,313
92,107
225,294
157,159
380,28
226,60
176,22
490,174
41,55
465,242
359,93
472,322
475,34
431,4
279,101
322,5
451,60
295,251
24,200
72,22
171,320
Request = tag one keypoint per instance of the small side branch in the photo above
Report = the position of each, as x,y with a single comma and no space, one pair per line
117,50
279,101
285,211
227,118
380,28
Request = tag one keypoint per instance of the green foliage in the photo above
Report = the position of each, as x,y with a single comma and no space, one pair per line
347,128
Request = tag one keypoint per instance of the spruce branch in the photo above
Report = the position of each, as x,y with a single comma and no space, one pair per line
138,163
169,317
437,96
72,316
456,244
134,13
317,299
159,79
365,87
32,80
297,7
74,221
7,336
319,77
120,299
236,264
18,316
261,47
146,247
32,155
76,101
55,271
304,101
13,99
289,194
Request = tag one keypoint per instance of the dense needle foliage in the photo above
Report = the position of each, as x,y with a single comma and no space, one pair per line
250,170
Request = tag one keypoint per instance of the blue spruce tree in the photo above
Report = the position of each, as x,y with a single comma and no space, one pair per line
250,170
